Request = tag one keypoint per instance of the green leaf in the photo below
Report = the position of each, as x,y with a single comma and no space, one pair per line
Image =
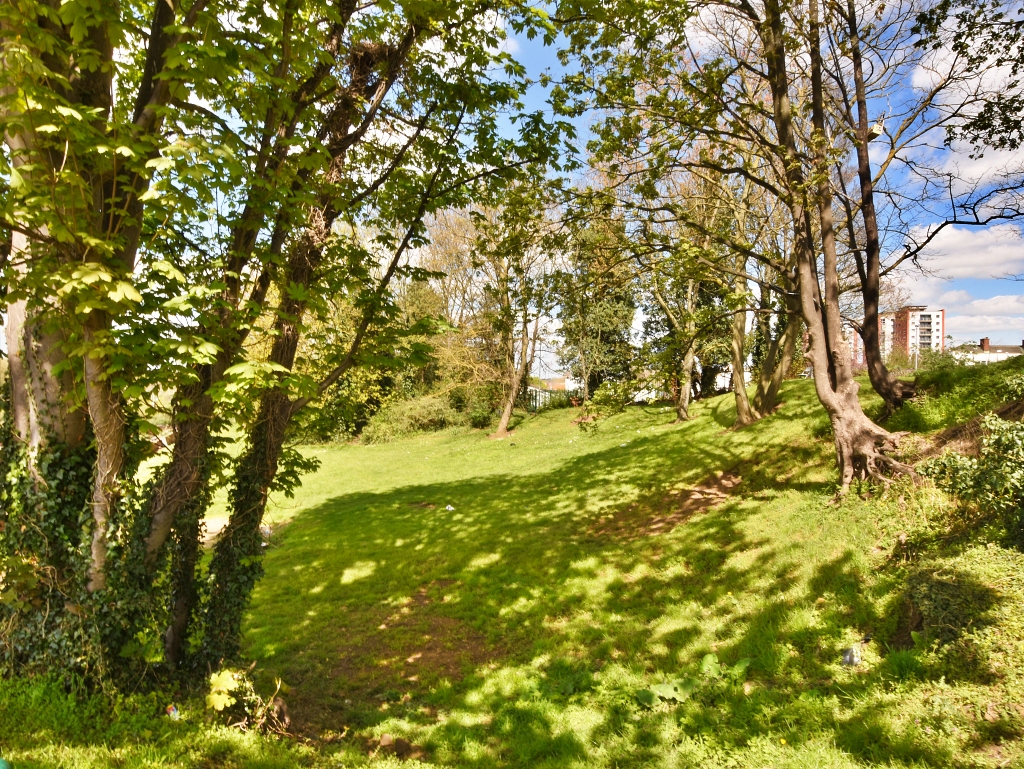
739,670
219,700
68,112
646,698
223,681
709,666
168,269
124,291
160,163
678,691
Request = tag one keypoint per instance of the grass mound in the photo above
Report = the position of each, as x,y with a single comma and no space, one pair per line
645,595
953,395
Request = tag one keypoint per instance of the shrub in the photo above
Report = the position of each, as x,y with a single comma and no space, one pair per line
609,399
994,481
429,413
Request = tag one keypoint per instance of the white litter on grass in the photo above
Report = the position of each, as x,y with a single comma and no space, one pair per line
449,508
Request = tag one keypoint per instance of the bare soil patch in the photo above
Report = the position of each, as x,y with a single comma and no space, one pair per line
648,518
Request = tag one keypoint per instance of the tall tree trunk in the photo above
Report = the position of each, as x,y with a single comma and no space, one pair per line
108,424
685,373
533,344
776,364
519,372
186,532
237,562
859,442
183,477
892,390
682,399
42,401
745,415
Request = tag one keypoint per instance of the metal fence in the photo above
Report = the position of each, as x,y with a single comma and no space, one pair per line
534,399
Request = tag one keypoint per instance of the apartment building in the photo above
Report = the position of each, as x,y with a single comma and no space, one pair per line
916,329
912,329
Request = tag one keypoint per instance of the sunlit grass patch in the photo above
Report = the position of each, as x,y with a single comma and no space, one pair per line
552,562
572,573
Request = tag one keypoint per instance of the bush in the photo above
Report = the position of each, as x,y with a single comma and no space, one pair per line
994,481
609,399
429,413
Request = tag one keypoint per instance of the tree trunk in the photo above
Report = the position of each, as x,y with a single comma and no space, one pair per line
682,403
518,374
768,368
187,530
745,415
533,344
892,390
108,425
182,478
859,442
773,371
237,562
42,402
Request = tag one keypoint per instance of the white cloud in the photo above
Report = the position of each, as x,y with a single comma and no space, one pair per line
961,252
1001,329
1001,318
993,307
976,255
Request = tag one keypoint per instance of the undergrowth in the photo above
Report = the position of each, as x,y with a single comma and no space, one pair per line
953,394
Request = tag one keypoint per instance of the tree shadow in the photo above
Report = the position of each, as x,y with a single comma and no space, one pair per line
514,630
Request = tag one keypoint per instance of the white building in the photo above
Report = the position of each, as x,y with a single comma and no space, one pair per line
985,352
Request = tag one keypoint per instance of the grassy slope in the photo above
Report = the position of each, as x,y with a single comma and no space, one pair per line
516,629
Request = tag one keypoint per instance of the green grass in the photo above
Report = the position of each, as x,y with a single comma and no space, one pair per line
517,628
951,395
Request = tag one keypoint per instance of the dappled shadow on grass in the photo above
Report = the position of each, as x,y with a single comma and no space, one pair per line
513,630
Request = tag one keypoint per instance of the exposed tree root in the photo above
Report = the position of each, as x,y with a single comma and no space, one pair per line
861,447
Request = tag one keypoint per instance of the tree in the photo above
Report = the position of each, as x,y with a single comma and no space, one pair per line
512,249
182,240
737,94
595,303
